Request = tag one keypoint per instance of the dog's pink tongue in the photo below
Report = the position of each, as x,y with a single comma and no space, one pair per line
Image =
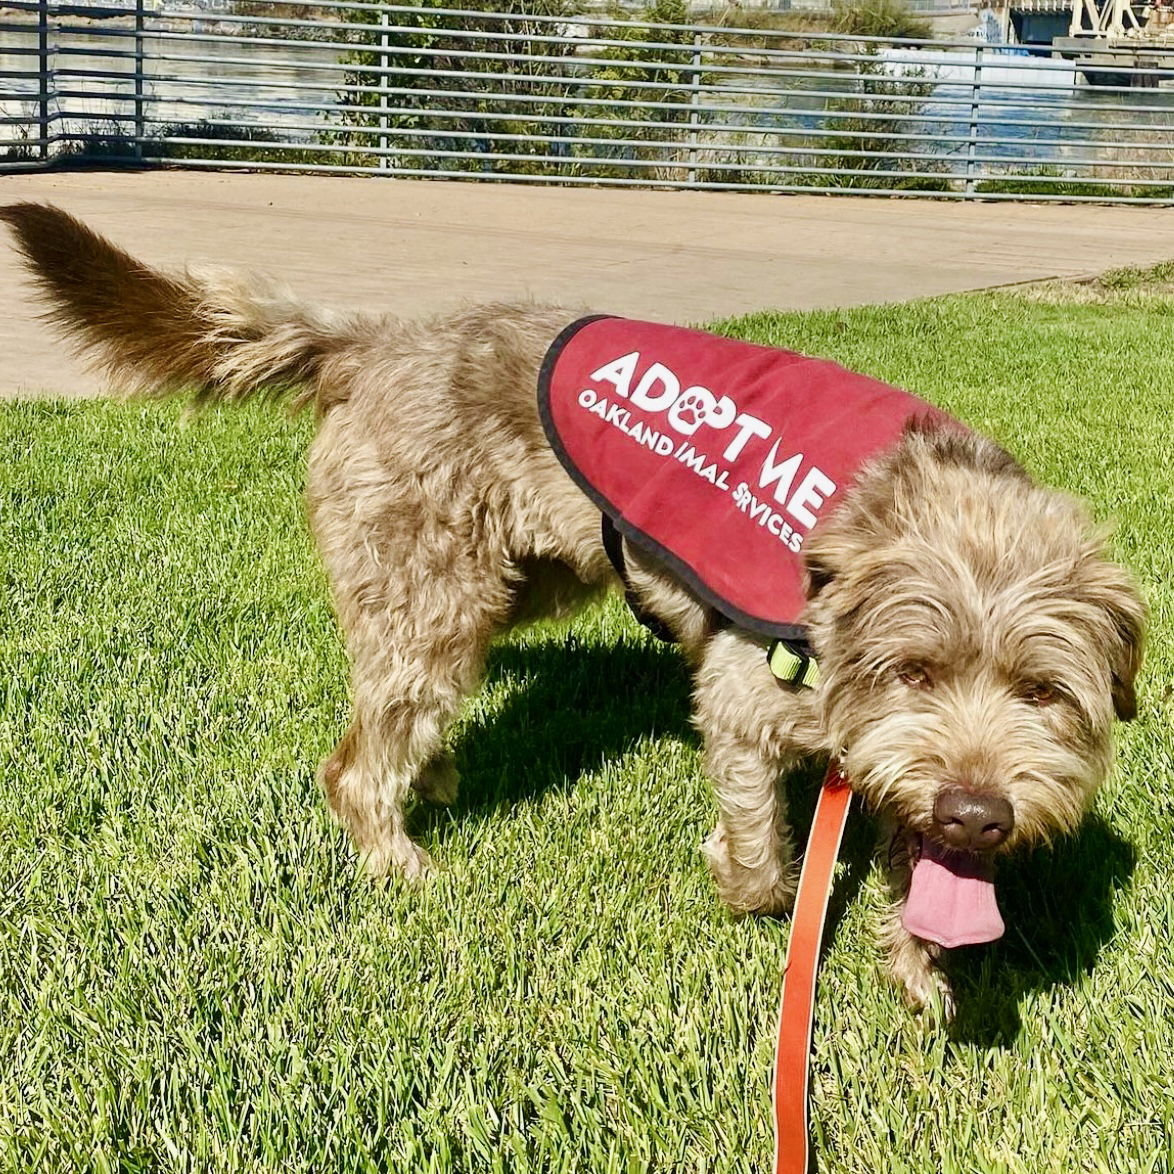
952,899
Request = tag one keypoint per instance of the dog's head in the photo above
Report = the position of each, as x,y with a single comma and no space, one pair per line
975,645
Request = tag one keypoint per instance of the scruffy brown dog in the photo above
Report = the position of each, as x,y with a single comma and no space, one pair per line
974,642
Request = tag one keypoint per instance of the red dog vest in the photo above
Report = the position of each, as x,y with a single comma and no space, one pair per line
718,457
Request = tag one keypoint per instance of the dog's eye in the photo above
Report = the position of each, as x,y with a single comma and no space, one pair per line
1041,693
916,676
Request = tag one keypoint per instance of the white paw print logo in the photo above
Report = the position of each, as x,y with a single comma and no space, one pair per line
698,405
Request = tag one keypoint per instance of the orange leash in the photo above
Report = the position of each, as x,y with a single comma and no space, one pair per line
797,1004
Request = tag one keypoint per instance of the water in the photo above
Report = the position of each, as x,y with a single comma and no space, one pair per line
94,86
1032,113
1037,110
1064,123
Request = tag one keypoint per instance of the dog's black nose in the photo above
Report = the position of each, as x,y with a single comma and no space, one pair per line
970,820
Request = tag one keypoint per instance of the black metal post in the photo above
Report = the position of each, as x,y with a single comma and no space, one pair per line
45,78
140,24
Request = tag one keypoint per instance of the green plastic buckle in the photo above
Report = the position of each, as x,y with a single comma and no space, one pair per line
788,664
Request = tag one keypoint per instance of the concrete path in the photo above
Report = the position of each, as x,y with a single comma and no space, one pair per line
415,247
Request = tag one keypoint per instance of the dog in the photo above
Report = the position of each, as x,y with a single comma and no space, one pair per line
974,641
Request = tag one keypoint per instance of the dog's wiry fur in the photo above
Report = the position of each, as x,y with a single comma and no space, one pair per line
970,630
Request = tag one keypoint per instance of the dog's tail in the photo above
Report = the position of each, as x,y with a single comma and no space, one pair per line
213,333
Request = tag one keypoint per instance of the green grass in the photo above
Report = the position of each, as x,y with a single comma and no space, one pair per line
194,978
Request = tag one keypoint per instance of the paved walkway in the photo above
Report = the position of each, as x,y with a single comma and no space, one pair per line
418,246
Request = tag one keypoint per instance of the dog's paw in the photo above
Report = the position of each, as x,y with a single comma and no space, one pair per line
922,984
439,781
933,997
398,857
769,890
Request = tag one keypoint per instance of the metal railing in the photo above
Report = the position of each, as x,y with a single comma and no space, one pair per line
402,89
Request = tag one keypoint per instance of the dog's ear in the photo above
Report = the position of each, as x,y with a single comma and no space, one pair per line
1130,634
1108,586
836,550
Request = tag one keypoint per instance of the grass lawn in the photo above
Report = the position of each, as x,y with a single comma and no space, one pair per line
194,978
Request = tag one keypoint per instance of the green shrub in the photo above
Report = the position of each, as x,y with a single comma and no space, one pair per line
423,121
868,125
1051,181
439,44
221,135
879,18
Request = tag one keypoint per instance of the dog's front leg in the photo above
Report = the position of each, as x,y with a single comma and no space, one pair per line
750,852
912,961
748,726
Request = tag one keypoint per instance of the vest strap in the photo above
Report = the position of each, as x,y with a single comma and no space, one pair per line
613,543
792,662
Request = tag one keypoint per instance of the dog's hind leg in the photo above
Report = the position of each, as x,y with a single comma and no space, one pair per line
367,779
419,595
408,686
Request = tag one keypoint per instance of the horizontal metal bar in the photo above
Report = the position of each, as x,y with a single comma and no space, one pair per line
605,22
984,56
594,20
990,112
705,49
702,185
880,80
705,128
962,100
992,59
558,161
370,29
590,161
746,161
748,154
546,100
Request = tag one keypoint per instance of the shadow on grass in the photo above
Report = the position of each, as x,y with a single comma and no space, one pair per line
581,705
1058,907
578,706
573,707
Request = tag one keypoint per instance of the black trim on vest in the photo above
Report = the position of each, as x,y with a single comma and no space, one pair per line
737,617
551,357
